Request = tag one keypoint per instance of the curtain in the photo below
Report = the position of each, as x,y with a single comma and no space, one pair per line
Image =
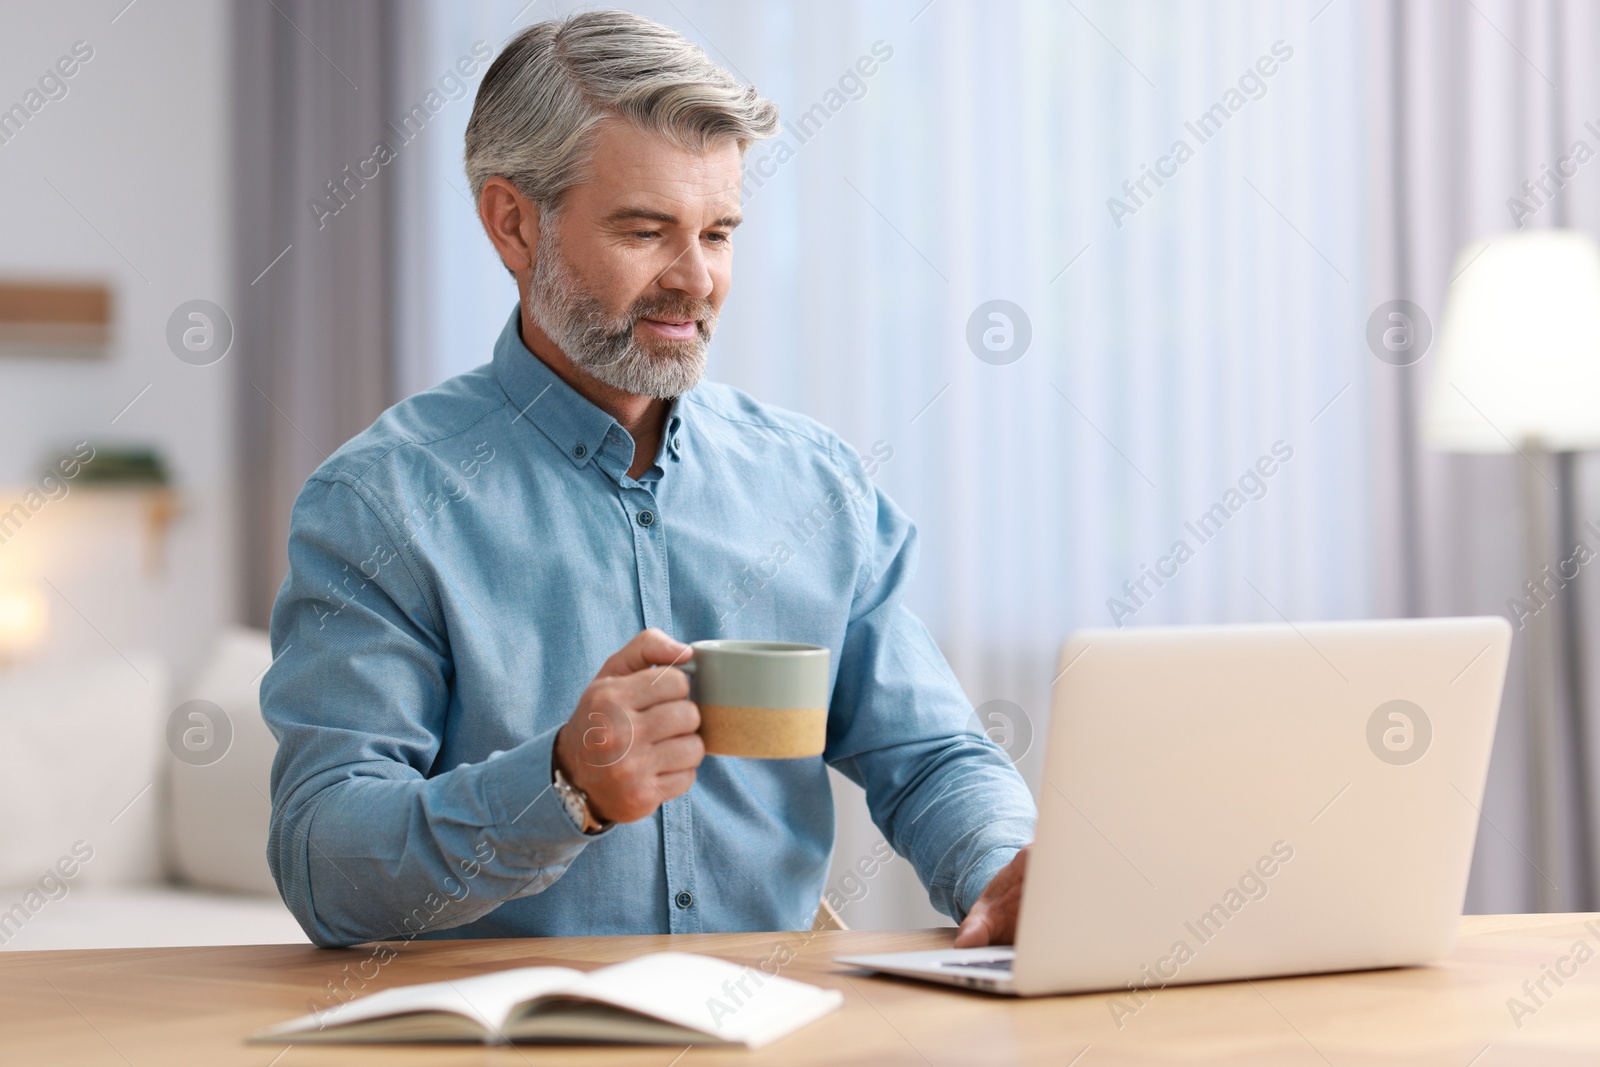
1177,333
1167,317
1470,101
313,247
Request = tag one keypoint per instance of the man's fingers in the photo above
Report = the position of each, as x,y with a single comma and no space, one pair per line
1003,921
1020,861
1008,882
648,648
993,918
675,784
675,718
974,932
678,753
641,690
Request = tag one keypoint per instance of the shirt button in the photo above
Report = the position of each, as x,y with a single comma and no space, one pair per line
580,451
645,519
684,900
677,443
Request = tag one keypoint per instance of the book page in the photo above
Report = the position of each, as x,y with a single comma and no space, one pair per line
568,1020
495,994
486,999
725,1001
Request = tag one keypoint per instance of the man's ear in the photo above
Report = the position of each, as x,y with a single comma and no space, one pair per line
512,222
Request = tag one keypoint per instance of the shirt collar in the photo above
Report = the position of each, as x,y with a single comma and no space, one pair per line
572,422
672,437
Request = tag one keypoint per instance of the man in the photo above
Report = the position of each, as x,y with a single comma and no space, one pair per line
451,763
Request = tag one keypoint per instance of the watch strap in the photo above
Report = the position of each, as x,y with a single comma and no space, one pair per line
576,803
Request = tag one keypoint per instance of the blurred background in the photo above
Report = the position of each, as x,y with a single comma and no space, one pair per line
1079,265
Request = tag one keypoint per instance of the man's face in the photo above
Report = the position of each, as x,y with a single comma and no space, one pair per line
632,269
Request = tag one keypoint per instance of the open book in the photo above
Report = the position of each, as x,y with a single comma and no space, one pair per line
668,998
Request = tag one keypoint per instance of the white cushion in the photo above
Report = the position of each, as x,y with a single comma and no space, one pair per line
219,811
143,917
80,758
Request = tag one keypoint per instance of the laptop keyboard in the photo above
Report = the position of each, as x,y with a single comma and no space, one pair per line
1003,964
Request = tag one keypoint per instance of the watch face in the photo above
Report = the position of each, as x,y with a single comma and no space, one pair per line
575,810
576,807
572,802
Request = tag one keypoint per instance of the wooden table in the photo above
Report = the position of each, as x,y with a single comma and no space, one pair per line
181,1006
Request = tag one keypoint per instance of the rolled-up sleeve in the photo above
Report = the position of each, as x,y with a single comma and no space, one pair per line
364,844
941,792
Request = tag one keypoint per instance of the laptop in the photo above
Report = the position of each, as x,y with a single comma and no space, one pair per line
1227,802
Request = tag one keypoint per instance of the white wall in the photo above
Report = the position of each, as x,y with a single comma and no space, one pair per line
138,149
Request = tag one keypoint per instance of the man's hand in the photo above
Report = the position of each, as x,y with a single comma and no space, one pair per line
631,744
993,919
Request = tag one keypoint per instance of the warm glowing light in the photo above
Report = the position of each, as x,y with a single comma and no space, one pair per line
23,615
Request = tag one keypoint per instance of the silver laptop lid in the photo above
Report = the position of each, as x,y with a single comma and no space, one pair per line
1239,801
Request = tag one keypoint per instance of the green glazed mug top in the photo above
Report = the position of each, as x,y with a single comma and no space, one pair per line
759,674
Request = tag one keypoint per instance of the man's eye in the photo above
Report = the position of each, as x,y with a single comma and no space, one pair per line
646,233
717,236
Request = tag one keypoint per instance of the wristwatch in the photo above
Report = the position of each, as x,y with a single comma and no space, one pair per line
576,801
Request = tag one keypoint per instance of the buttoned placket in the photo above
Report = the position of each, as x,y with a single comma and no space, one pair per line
642,513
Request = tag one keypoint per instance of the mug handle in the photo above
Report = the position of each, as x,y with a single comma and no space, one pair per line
688,668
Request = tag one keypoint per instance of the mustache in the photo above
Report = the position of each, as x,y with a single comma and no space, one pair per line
672,307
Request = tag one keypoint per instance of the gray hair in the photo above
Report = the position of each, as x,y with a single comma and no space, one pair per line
535,115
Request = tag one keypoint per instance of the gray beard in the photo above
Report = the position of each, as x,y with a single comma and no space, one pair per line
605,347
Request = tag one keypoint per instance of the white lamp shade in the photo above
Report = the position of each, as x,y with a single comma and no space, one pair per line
1519,352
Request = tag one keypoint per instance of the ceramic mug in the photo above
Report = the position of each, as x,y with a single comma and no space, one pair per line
760,699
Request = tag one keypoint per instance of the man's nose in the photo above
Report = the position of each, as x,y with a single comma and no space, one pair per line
688,273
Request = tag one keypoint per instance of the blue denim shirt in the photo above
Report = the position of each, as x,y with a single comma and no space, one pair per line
460,570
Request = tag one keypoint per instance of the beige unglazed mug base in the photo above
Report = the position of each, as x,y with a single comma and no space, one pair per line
763,733
760,699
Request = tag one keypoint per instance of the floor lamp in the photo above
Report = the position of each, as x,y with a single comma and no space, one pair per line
1518,370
